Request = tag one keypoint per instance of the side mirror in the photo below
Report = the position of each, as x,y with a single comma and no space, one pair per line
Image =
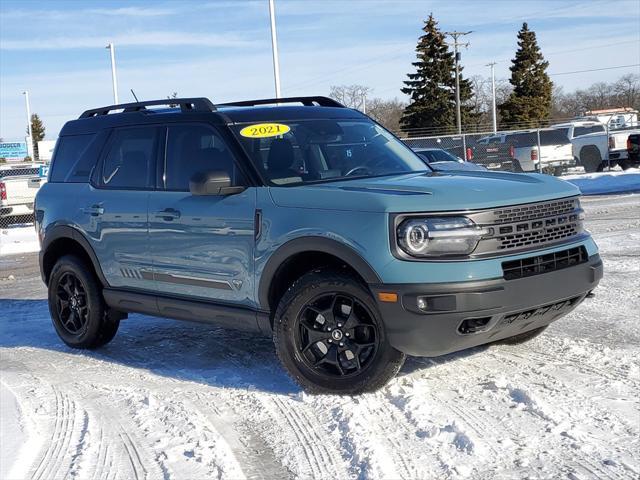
212,183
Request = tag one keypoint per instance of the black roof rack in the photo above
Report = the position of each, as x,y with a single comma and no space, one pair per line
306,101
186,105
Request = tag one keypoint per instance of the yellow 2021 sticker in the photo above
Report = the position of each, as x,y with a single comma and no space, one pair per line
264,130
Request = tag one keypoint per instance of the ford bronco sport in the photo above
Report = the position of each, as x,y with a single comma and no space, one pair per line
305,220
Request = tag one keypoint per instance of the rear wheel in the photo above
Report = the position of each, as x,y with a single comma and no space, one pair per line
590,159
330,338
79,314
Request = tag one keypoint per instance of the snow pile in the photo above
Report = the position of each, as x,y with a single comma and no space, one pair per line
606,182
20,238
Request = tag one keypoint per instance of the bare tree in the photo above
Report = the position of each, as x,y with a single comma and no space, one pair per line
352,96
386,112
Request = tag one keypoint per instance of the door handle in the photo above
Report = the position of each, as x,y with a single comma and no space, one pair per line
93,210
168,214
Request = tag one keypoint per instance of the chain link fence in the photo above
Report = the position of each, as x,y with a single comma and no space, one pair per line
19,184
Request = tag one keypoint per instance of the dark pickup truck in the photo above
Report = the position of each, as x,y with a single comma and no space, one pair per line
633,151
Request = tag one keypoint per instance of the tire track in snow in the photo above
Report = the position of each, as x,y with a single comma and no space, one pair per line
317,456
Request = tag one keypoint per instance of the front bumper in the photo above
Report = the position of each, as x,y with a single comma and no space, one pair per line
506,307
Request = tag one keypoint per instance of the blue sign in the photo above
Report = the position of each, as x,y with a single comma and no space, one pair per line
13,150
43,171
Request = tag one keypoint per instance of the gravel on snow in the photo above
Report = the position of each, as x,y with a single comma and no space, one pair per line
177,400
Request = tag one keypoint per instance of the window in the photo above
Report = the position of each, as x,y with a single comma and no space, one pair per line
70,164
130,161
195,148
319,150
577,131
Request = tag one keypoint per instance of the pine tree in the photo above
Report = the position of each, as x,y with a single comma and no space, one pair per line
531,99
37,133
432,87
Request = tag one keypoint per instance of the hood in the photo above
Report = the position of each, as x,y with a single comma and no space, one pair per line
426,192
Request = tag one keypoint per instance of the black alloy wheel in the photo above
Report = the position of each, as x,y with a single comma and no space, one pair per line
71,302
337,335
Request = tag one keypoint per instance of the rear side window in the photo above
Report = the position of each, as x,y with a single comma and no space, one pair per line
130,159
577,131
72,161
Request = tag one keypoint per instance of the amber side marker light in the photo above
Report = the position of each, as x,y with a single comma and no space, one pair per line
387,297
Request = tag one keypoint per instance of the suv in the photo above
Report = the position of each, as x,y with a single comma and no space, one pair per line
305,220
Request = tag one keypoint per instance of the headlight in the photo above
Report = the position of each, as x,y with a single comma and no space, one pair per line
438,236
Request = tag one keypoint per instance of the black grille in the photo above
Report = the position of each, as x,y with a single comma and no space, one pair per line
527,267
536,210
532,238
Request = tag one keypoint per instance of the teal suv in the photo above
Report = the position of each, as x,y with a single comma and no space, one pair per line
307,221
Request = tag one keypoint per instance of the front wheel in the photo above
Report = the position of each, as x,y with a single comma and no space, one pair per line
78,311
330,338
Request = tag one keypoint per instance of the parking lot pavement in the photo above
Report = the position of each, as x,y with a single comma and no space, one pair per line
172,399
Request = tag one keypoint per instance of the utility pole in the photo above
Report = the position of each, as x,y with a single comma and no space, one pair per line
364,102
114,79
29,132
493,96
455,36
274,47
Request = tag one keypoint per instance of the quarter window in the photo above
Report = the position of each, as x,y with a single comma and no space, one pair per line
130,161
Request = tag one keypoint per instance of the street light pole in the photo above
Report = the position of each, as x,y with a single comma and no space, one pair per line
114,79
29,132
455,36
274,48
493,96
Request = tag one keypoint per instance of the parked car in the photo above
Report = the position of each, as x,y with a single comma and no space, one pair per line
633,152
305,220
441,160
493,155
595,146
18,187
553,157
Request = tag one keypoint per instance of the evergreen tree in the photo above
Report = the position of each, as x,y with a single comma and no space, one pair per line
432,87
531,99
37,133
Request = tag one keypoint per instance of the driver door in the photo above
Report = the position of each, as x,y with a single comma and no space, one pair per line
201,246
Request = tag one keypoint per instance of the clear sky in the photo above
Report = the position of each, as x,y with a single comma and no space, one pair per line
222,49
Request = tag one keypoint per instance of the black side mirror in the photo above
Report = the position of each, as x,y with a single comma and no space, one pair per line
212,183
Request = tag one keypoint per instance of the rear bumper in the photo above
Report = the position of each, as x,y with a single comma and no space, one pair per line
12,210
504,308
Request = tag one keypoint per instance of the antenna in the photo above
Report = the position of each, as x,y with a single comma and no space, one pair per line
134,95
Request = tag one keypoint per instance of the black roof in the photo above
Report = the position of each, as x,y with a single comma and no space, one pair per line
202,109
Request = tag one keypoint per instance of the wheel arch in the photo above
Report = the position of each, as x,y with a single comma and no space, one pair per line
65,240
301,255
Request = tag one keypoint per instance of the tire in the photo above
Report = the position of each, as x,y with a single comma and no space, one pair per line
78,311
522,337
337,300
516,166
590,159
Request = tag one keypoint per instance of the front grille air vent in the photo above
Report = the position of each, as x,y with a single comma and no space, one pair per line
527,267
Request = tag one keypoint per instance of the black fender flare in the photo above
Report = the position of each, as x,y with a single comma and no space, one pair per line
65,231
312,244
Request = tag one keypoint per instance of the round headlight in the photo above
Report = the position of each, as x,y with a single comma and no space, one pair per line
415,237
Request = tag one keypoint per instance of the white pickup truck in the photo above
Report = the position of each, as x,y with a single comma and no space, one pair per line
553,157
18,187
598,148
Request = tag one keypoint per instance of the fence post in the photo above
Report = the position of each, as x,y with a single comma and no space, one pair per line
539,151
464,147
608,155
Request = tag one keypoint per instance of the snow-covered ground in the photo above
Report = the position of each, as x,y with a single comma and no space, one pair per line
176,400
18,238
615,181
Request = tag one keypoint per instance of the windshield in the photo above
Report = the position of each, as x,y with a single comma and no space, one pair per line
295,152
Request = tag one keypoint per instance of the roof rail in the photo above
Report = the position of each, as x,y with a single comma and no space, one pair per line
306,101
200,104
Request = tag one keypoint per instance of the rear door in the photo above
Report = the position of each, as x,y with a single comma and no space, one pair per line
114,208
201,246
